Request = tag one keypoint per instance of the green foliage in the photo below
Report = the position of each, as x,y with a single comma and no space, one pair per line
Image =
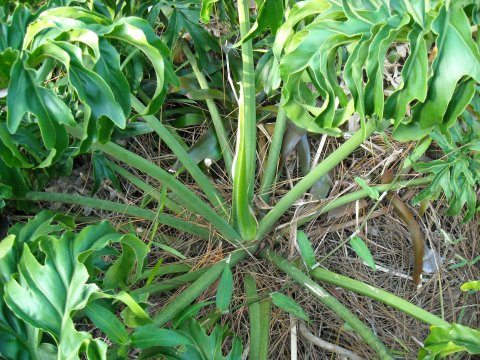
69,70
184,17
62,69
355,39
306,250
289,305
471,286
456,174
446,340
372,193
200,345
361,249
50,277
225,290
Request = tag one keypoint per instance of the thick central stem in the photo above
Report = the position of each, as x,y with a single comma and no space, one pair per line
244,164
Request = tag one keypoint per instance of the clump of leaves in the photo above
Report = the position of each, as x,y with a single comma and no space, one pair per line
457,173
62,67
52,278
350,41
446,340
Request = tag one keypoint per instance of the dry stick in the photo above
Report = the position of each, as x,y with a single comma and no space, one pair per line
338,227
325,344
293,338
413,227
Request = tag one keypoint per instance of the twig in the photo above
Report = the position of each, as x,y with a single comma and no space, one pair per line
325,344
293,338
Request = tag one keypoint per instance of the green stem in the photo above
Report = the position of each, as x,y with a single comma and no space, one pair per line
166,269
360,194
245,154
121,209
171,284
192,202
316,173
254,315
377,294
202,180
222,135
271,166
185,298
146,188
329,301
265,311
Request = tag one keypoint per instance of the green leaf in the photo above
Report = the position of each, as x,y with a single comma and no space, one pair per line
458,56
446,340
104,319
306,250
102,170
44,223
39,297
7,59
14,334
206,10
224,290
149,336
414,79
170,250
471,285
289,305
108,67
91,88
270,15
372,192
133,255
138,33
12,34
204,346
189,313
187,19
24,95
359,246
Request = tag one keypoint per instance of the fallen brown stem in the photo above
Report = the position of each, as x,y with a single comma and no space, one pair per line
325,344
413,227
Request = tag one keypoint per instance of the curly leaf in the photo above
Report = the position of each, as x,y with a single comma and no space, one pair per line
446,340
458,57
270,15
46,295
26,96
138,33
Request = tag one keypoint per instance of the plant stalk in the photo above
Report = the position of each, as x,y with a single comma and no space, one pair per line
192,202
329,301
360,194
202,180
254,315
189,295
316,173
271,166
146,188
168,220
265,312
245,153
377,294
222,135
